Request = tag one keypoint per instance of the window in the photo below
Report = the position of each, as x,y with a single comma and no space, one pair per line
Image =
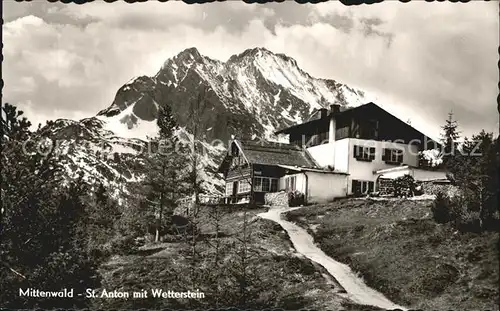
229,188
274,184
265,184
243,186
369,129
311,140
323,138
315,139
362,186
235,161
290,183
238,161
342,132
392,156
257,184
234,150
363,153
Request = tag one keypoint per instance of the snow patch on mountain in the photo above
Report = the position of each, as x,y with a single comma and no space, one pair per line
127,125
276,98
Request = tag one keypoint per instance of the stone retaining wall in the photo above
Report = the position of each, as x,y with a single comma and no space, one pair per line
276,198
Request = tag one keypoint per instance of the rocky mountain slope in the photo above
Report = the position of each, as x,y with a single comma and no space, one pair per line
255,92
252,93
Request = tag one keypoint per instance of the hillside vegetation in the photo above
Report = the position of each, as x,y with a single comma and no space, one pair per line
80,236
275,275
401,251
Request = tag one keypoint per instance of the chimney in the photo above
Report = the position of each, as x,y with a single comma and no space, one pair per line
323,112
335,108
332,129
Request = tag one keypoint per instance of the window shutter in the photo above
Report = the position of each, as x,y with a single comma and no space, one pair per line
355,186
372,153
384,154
357,151
400,157
274,185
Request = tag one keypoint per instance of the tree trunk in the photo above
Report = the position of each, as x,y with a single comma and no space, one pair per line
157,235
481,206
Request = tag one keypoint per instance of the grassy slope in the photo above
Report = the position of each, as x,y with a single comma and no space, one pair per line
403,253
279,277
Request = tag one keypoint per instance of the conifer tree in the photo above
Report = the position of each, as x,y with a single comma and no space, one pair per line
42,221
101,195
475,172
165,165
449,139
103,216
197,108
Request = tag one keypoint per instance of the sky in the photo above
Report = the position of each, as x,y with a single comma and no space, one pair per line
421,60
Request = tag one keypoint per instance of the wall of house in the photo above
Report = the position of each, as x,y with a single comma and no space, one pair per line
362,170
237,173
423,175
342,158
336,155
325,187
323,154
300,183
321,187
342,155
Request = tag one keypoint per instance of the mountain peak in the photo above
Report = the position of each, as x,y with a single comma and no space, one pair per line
258,50
191,52
261,52
253,52
256,91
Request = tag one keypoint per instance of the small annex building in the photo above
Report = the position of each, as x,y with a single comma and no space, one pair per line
252,168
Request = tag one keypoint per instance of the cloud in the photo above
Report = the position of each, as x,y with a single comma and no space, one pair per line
69,60
440,60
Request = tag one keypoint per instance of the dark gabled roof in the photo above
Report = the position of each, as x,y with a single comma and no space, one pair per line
318,122
274,153
347,112
313,123
271,153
